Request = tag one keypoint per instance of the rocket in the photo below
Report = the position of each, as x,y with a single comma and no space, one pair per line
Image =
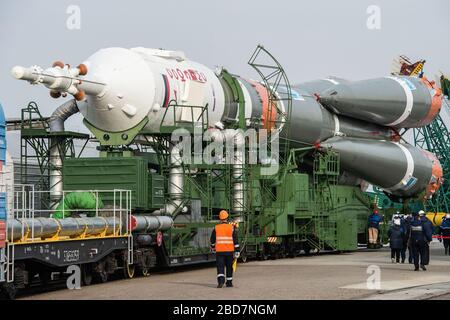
118,89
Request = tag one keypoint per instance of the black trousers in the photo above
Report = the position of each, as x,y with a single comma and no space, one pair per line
403,252
418,249
395,254
426,256
410,255
446,245
224,260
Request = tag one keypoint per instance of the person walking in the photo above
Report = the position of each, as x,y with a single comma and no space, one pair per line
408,220
396,239
419,238
428,232
444,233
405,238
224,242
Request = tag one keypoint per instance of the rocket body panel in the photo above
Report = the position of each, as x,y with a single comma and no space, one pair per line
130,83
320,85
400,169
355,128
349,127
310,123
141,84
400,102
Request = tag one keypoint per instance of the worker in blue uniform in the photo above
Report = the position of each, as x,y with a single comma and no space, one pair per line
444,233
396,239
420,235
402,219
373,228
408,220
428,227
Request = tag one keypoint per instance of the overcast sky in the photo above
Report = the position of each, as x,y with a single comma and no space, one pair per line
311,39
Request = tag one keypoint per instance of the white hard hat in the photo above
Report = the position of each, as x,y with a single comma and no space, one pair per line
397,222
421,212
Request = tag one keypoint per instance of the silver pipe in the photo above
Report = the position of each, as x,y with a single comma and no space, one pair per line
67,227
61,114
238,161
56,124
152,223
238,173
176,181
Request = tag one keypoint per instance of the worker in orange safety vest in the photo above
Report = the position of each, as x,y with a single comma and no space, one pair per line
224,242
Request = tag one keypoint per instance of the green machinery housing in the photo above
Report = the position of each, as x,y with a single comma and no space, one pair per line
300,208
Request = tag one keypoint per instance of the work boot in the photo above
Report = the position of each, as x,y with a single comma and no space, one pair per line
416,269
392,260
423,267
229,284
403,260
220,285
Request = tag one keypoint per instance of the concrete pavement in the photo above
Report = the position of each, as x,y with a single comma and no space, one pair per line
325,276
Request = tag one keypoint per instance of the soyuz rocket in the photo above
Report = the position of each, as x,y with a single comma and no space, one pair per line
116,89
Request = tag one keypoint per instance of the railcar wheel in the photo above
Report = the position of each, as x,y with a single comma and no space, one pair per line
8,291
103,276
129,270
263,256
145,271
86,275
307,249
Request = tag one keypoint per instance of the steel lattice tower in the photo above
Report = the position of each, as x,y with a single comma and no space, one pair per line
435,138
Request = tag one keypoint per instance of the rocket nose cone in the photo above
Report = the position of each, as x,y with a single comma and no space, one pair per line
329,96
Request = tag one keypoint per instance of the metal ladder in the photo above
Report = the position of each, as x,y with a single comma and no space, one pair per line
326,172
10,263
2,265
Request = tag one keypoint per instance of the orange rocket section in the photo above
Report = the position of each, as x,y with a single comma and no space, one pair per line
269,108
436,174
436,101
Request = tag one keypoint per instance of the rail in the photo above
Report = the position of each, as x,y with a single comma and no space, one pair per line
26,224
184,116
110,207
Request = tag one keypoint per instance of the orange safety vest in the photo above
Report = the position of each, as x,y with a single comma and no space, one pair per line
224,237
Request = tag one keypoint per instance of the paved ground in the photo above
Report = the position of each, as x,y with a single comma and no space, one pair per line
332,276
